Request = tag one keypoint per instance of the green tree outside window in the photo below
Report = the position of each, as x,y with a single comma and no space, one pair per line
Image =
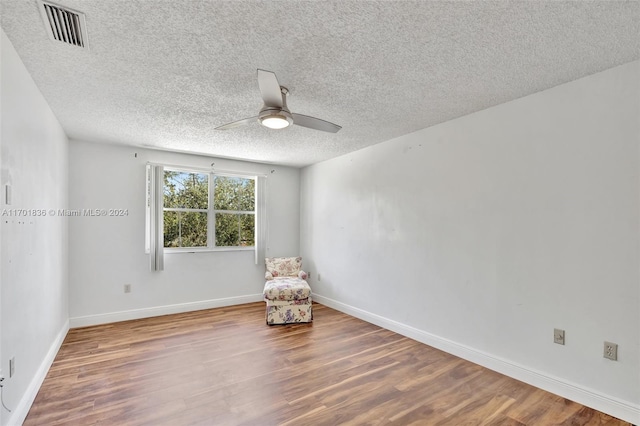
186,210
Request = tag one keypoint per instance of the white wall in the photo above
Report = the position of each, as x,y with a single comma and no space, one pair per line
482,234
106,253
34,277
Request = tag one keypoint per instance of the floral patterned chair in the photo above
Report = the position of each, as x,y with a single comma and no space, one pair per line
286,292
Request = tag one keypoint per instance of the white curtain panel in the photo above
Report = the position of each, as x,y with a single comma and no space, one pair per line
156,222
261,219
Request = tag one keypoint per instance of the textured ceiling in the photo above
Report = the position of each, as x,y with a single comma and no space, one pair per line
165,73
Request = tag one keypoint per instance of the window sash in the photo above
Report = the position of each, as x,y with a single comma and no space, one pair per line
211,212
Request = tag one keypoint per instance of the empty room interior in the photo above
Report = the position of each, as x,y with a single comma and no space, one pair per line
459,180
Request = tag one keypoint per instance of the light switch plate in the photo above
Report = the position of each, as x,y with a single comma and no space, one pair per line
558,336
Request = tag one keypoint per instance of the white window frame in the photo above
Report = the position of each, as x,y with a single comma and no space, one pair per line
211,213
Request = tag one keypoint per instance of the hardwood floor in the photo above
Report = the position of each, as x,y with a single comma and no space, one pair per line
226,367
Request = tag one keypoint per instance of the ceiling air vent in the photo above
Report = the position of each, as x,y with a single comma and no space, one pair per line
63,24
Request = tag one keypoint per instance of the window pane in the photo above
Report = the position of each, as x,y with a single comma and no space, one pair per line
247,195
186,190
234,193
185,229
227,230
247,226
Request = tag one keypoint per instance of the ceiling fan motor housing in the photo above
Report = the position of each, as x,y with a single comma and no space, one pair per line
275,113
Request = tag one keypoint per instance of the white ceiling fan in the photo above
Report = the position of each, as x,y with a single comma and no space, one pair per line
274,113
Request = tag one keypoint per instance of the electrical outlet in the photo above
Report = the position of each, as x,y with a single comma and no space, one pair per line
558,336
611,351
12,366
318,276
127,288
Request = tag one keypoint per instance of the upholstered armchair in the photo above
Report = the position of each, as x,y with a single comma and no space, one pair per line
286,291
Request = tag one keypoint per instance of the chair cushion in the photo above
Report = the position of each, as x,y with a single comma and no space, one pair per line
286,288
283,266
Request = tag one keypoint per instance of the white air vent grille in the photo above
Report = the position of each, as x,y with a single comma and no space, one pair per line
65,25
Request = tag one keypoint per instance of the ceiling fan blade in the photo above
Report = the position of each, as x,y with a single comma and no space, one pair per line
238,123
315,123
269,88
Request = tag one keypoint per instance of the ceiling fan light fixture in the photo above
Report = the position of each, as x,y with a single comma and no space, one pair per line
274,113
276,121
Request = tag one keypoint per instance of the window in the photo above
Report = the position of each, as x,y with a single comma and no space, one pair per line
207,210
234,209
185,209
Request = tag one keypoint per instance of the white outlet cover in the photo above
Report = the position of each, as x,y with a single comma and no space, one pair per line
611,351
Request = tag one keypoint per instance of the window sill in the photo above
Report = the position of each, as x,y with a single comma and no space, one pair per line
206,250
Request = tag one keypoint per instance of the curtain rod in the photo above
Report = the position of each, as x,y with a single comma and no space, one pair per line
211,169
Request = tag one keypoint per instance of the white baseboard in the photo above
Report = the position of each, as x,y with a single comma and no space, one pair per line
621,409
19,414
161,310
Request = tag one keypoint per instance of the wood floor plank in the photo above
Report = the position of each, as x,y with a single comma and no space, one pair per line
226,367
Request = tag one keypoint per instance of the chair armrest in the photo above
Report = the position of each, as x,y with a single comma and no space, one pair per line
268,276
303,275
